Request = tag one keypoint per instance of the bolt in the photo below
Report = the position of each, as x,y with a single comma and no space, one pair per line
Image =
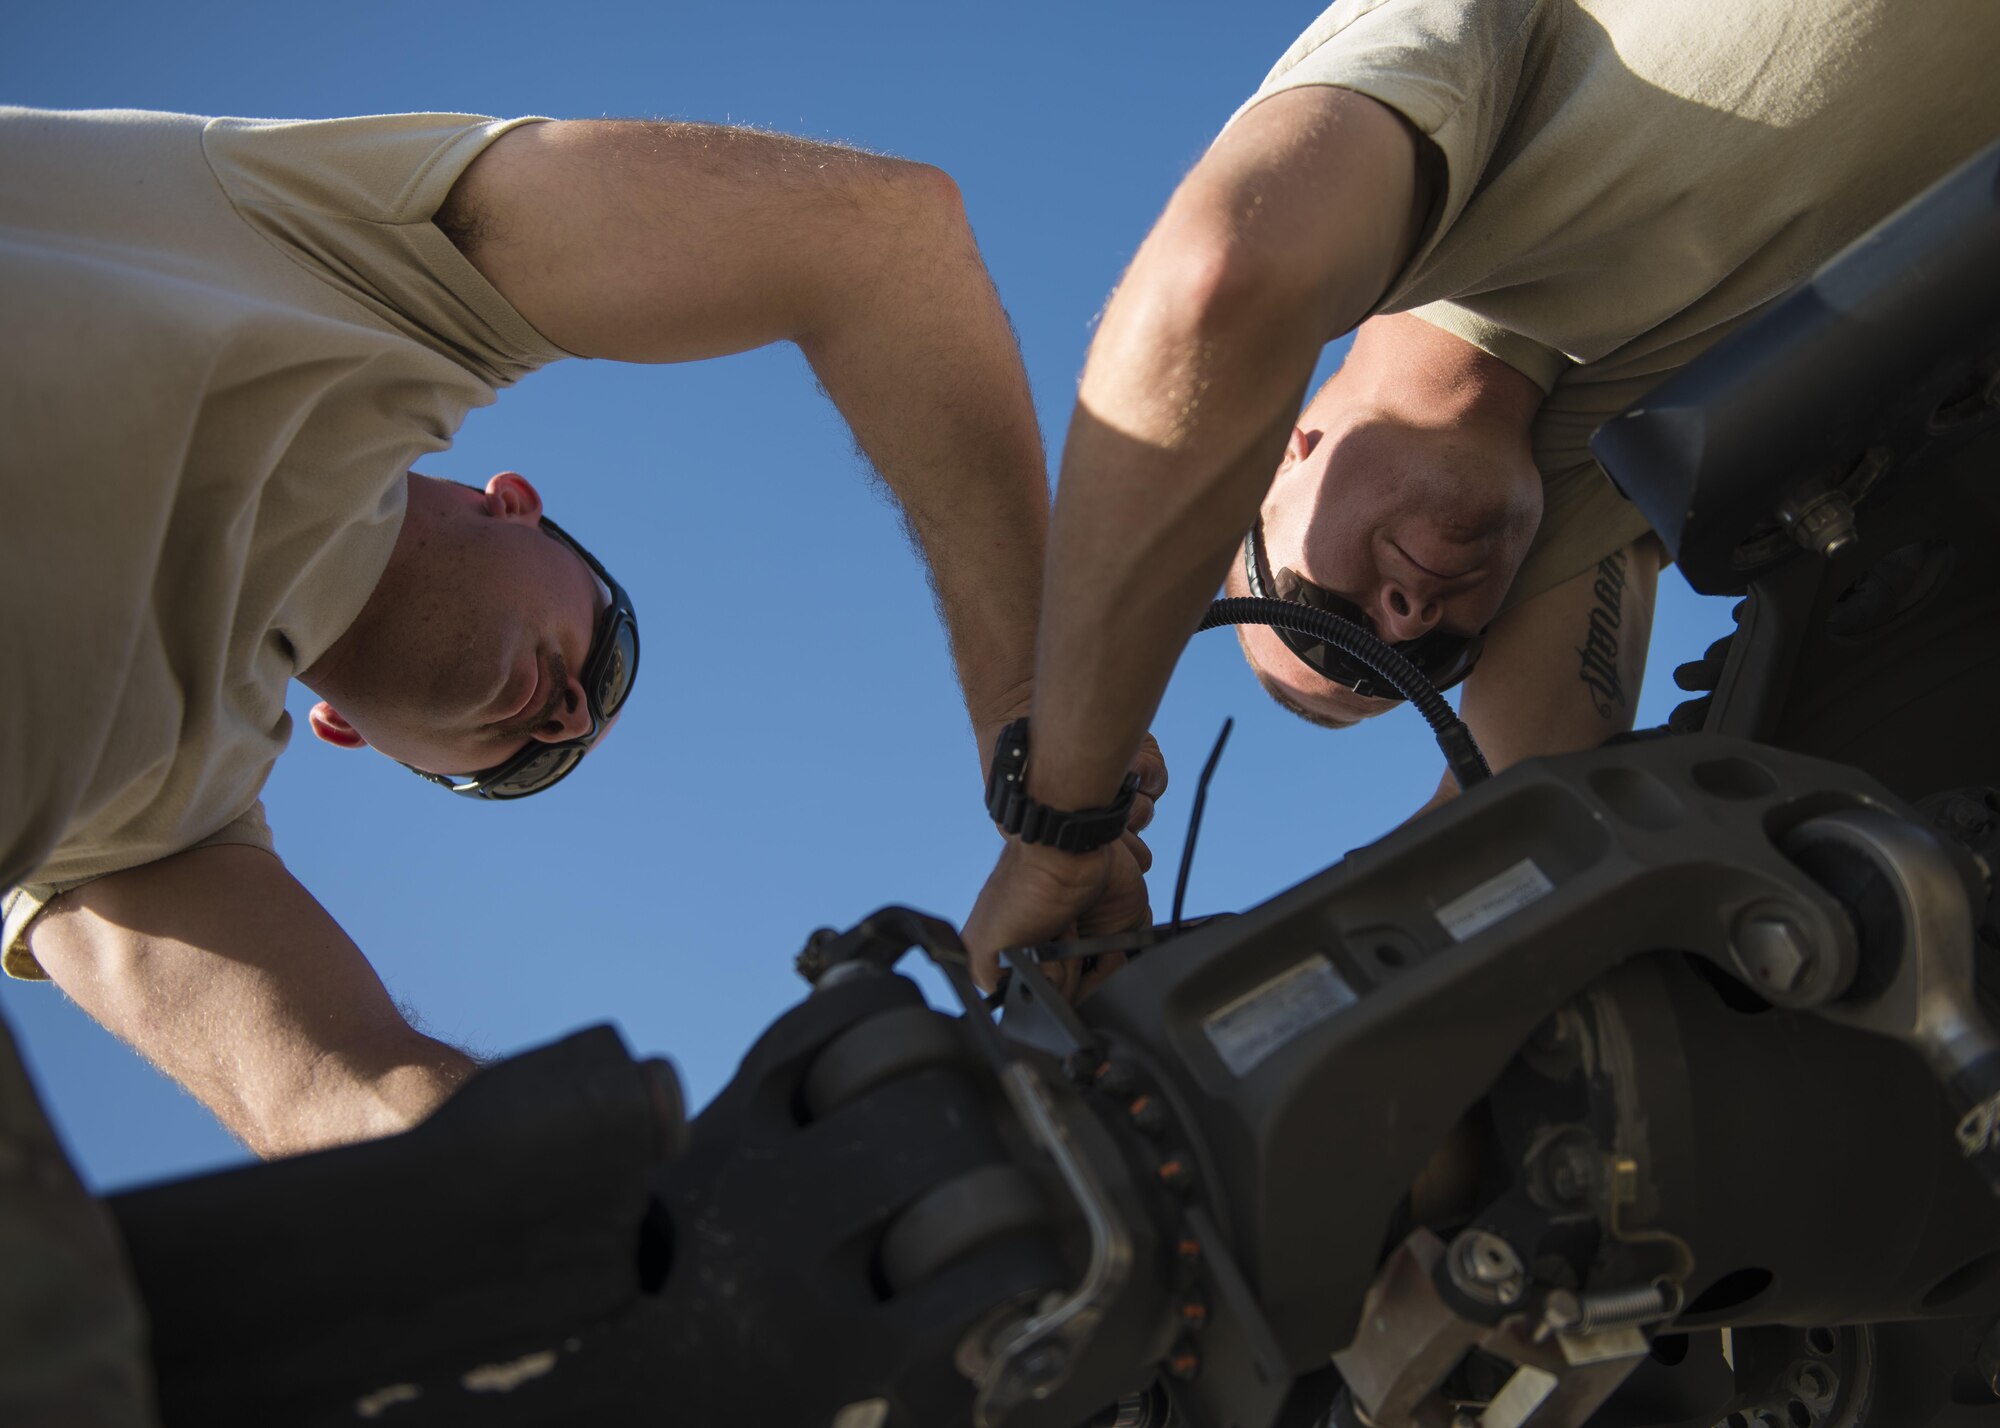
1562,1311
1175,1175
1183,1362
1487,1268
1772,951
1815,1383
1194,1311
1823,523
1188,1250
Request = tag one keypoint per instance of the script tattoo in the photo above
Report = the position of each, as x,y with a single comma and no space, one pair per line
1598,657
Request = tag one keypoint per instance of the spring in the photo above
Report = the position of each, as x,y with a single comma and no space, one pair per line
1609,1308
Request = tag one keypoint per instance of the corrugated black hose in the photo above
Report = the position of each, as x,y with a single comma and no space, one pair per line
1455,741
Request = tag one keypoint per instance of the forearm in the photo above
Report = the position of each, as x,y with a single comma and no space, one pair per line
1145,522
1282,238
252,999
923,365
318,1098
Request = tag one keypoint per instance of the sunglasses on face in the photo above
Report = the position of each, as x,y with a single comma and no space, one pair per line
608,671
1440,656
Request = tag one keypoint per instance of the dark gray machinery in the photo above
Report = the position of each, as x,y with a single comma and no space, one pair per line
1652,1087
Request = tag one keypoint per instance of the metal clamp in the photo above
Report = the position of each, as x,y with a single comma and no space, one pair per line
1036,1358
1922,994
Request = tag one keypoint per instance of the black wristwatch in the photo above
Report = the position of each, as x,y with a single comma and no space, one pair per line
1016,813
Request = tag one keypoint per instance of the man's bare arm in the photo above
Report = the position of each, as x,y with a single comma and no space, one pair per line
1283,237
220,969
669,242
1561,672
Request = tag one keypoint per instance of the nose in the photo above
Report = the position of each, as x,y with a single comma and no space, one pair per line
571,719
1405,611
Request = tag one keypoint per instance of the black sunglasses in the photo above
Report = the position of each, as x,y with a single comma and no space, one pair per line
608,671
1440,656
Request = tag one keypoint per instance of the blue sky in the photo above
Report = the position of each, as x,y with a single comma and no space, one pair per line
796,755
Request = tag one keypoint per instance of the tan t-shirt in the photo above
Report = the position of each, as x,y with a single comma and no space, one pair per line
227,341
1626,181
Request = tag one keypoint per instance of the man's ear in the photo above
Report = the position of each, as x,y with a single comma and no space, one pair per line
1298,447
333,729
511,497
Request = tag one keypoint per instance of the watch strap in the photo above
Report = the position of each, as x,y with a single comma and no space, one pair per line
1069,831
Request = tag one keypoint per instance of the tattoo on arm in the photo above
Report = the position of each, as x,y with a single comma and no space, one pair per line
1598,656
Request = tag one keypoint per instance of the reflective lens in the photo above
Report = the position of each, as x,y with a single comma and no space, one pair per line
541,770
621,659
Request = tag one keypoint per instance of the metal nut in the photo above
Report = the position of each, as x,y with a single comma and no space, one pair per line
1486,1267
1815,1383
1822,523
1773,951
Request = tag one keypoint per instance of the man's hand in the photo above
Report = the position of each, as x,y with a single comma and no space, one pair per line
221,970
1035,894
1151,766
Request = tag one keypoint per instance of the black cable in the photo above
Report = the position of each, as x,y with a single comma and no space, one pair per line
1194,820
1455,741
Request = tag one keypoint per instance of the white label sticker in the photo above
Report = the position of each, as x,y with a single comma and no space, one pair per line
1505,892
1266,1017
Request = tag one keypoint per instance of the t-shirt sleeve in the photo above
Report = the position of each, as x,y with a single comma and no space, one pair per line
351,201
1452,68
25,903
1540,365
